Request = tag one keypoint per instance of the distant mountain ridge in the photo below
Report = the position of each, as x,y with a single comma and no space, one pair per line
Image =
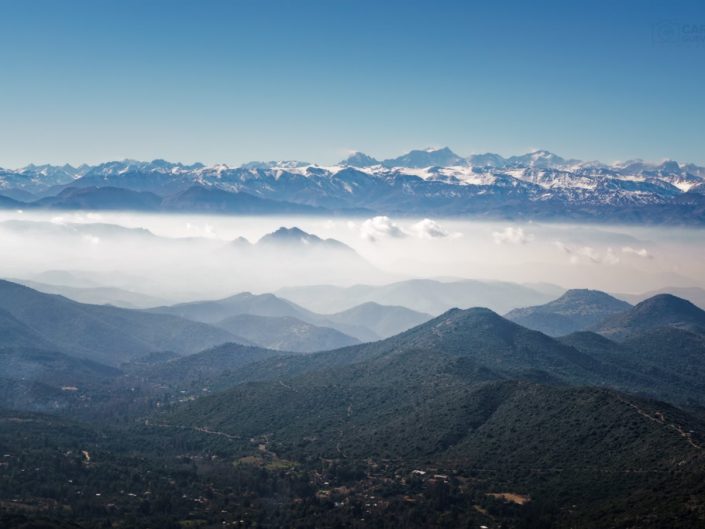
285,333
576,310
427,296
274,310
662,310
539,184
100,333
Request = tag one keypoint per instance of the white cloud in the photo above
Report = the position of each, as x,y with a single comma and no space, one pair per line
381,227
639,252
205,230
92,239
430,229
77,218
588,252
562,246
611,257
512,235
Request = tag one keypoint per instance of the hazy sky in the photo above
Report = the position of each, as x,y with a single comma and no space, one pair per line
236,80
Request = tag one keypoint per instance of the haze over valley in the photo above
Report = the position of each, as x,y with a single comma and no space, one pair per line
187,257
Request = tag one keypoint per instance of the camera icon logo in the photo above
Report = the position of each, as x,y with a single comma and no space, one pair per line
667,32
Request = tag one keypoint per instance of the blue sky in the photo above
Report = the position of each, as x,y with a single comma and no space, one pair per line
239,80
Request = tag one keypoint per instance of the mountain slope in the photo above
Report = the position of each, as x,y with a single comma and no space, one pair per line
679,352
425,158
575,310
51,368
14,333
437,397
95,295
211,199
422,295
432,398
477,343
285,333
665,363
243,303
267,305
384,320
102,333
662,310
695,295
101,198
210,367
10,203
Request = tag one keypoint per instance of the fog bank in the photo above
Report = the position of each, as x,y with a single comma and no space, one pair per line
181,257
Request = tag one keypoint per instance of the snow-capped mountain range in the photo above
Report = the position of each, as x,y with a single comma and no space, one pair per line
538,184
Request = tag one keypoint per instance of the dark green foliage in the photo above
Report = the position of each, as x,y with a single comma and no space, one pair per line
466,420
205,368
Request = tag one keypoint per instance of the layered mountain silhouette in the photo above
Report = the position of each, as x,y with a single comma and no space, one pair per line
95,295
105,334
427,296
466,386
266,306
466,397
383,320
480,345
285,333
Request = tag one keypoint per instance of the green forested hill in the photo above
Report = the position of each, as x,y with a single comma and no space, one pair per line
466,420
662,310
576,310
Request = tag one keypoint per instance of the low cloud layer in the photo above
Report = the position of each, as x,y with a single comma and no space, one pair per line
187,257
588,253
639,252
512,235
383,227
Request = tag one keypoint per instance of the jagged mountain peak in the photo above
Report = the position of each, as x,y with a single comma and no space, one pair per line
359,159
540,159
295,236
420,158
